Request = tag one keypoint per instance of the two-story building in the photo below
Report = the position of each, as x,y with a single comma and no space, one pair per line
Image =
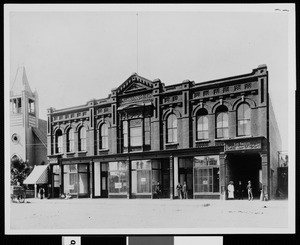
205,134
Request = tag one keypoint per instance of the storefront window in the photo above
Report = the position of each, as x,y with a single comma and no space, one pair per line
206,174
118,175
70,179
76,179
141,176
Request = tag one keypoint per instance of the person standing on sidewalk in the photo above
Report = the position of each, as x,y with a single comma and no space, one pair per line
179,190
230,189
249,188
158,189
240,190
184,190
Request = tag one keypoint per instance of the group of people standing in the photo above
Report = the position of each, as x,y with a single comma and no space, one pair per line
182,190
240,190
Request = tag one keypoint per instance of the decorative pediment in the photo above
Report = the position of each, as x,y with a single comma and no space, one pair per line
134,83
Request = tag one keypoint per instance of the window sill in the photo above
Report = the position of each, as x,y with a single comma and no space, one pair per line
103,150
243,137
171,144
70,152
221,139
57,154
202,141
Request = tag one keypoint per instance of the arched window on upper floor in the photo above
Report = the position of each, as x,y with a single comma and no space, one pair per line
103,136
58,141
172,129
70,140
202,125
222,122
243,120
82,139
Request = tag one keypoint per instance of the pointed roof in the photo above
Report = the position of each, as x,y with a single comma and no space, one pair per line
134,83
20,82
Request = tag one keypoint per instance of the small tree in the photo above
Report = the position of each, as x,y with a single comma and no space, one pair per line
19,170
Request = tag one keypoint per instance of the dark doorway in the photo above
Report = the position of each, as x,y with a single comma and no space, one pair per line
186,174
165,178
244,167
104,178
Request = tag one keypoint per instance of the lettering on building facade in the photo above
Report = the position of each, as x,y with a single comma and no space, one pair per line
137,98
245,145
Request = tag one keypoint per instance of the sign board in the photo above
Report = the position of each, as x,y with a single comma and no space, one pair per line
204,182
53,160
143,179
243,145
118,185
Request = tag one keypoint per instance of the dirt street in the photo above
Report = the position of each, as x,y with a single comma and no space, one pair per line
157,216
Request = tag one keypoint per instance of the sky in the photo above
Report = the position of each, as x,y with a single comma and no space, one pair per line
73,56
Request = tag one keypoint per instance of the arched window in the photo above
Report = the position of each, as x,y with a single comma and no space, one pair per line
82,139
222,122
202,125
58,141
70,140
103,137
171,129
243,120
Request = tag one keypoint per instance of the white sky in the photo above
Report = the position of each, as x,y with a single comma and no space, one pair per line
72,57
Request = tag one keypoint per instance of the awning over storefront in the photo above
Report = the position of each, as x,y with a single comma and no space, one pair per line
39,175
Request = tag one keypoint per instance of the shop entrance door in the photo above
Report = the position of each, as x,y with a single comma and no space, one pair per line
104,178
244,167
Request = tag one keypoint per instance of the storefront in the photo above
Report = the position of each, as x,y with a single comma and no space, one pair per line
247,160
76,179
206,176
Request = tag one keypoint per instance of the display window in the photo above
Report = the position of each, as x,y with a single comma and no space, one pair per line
118,177
141,176
76,179
206,174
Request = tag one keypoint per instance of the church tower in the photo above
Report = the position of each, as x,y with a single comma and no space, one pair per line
27,131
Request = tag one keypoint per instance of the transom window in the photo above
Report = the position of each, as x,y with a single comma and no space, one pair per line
202,125
222,122
243,120
172,129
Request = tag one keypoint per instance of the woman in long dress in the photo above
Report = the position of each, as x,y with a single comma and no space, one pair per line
230,190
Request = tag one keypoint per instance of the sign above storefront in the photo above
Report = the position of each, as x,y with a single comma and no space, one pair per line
254,144
53,160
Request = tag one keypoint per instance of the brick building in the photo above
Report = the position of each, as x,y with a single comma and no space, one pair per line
206,134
